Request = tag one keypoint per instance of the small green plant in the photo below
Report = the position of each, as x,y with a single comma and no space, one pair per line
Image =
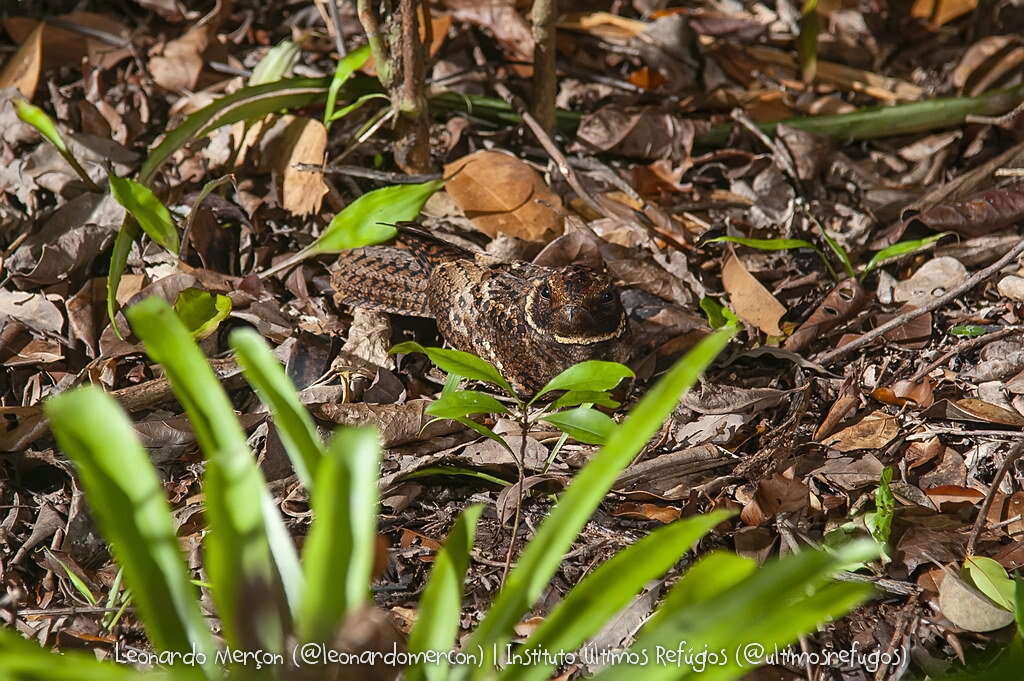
268,600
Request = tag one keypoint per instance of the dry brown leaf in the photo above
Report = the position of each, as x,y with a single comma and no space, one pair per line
874,431
662,514
62,47
751,301
22,69
971,409
304,141
500,193
177,66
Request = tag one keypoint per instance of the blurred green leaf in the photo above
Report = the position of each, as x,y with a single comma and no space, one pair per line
710,576
583,424
900,249
130,507
339,551
885,508
807,41
347,65
840,253
151,214
464,364
294,425
440,608
542,556
276,63
431,471
247,537
718,315
590,375
44,125
354,106
201,311
463,403
22,660
972,330
577,397
592,603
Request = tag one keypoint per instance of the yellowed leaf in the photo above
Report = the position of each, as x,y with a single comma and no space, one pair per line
751,301
22,69
939,12
500,193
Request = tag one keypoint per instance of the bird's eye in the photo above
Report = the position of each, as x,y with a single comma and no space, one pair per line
545,292
606,297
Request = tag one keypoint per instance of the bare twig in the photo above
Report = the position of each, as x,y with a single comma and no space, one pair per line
900,320
369,173
979,523
524,428
339,41
964,346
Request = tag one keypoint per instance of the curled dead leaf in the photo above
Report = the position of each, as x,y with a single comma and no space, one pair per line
843,302
750,300
976,214
500,193
874,431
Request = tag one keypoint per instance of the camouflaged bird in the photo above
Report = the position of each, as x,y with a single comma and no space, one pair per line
530,321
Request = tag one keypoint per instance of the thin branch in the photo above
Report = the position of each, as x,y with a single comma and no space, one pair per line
979,523
900,320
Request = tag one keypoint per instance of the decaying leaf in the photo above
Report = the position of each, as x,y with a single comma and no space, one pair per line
501,193
977,214
750,300
303,140
21,70
971,409
843,302
968,608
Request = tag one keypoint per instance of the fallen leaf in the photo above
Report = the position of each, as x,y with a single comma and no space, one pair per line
971,409
874,431
304,140
500,193
968,608
22,69
662,514
751,301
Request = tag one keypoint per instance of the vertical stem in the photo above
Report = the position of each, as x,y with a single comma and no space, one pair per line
413,131
543,16
524,428
371,24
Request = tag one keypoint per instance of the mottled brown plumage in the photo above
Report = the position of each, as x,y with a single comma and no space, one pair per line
529,321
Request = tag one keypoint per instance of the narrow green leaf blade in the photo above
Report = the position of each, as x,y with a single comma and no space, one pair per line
128,233
764,244
900,249
542,556
151,214
294,425
440,609
347,65
247,537
131,509
583,424
576,397
609,588
338,554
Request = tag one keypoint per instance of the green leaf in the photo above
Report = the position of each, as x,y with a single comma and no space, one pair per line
45,126
201,311
463,403
440,608
247,103
840,252
577,397
592,603
247,537
295,427
1018,610
465,364
23,660
992,580
807,40
901,249
542,556
718,315
276,63
972,330
885,508
483,430
338,554
76,581
707,578
431,471
354,106
151,214
770,607
583,424
764,244
130,507
128,233
362,222
590,375
347,65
